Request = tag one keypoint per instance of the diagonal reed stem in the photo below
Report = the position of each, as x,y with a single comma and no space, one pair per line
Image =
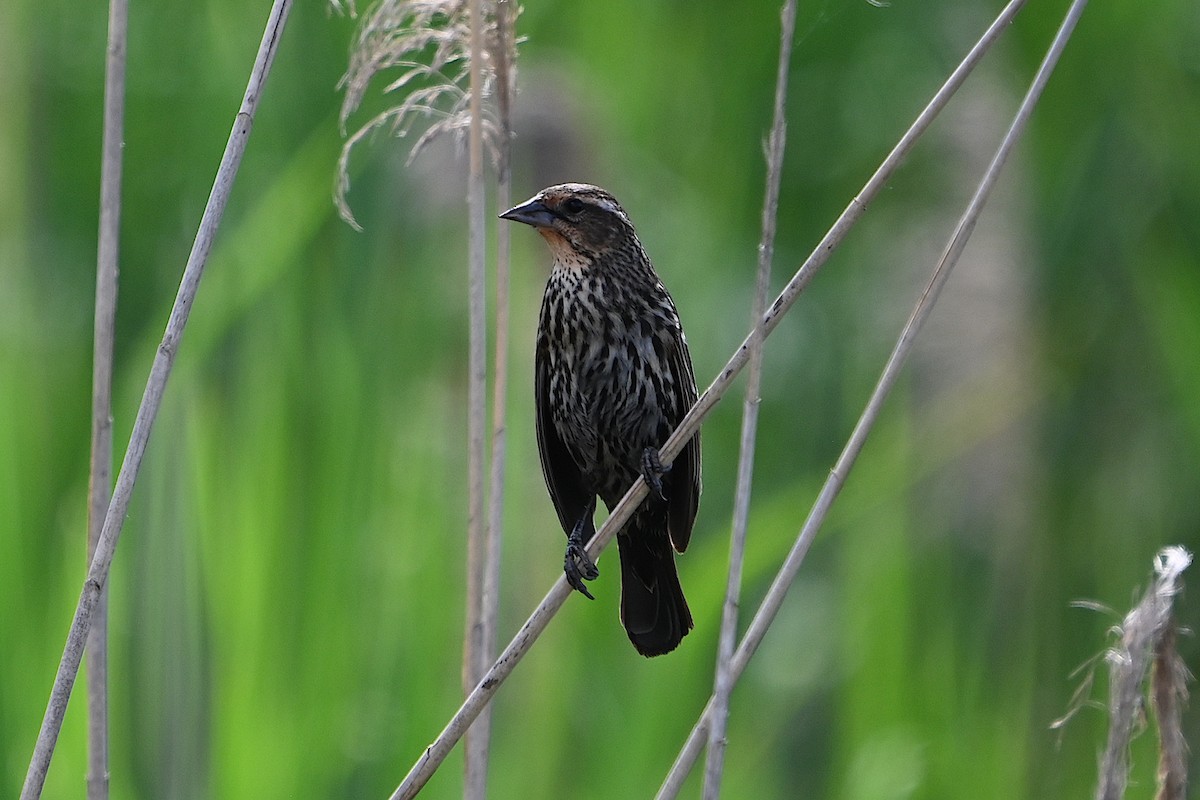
482,694
722,681
774,598
164,358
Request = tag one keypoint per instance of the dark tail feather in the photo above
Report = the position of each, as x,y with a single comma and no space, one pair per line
653,610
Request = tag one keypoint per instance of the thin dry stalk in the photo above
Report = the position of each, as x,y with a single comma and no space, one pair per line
1146,642
503,52
774,598
164,358
435,754
503,55
473,655
448,56
100,471
723,680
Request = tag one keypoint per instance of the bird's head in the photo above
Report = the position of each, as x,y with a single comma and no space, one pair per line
579,221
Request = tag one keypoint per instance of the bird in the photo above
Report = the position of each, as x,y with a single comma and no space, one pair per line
613,378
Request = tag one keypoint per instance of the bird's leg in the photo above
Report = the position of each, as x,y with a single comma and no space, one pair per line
653,470
577,565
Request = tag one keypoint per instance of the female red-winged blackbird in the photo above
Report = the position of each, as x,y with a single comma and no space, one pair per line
613,380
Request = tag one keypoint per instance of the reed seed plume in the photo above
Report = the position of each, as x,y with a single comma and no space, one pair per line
423,47
1144,663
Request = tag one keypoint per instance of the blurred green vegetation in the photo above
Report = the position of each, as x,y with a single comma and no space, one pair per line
286,600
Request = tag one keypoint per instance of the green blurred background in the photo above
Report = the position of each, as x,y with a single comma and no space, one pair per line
286,600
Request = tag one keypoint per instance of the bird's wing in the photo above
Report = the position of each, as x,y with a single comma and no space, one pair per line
685,472
563,477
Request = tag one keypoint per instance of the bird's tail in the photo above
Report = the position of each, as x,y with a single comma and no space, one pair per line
653,609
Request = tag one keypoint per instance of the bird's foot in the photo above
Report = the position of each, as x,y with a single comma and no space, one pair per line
578,568
577,565
653,470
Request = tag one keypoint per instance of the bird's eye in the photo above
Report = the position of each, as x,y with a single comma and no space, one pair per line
573,206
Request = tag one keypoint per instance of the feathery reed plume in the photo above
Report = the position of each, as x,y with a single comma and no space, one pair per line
1146,653
426,44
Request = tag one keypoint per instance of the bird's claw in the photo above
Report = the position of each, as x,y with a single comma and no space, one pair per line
653,470
579,567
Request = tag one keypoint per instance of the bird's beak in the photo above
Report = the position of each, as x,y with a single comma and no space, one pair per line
533,212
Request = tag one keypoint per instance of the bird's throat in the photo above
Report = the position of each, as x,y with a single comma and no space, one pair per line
565,255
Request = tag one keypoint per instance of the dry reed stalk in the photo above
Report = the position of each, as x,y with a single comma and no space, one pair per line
727,638
104,325
160,370
473,651
774,598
